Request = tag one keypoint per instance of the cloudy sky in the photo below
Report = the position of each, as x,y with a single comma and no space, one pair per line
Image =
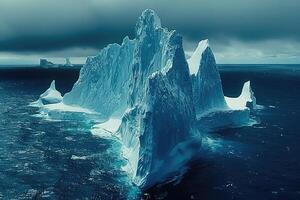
240,31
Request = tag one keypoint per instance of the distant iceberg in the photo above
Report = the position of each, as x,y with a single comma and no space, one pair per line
68,63
154,100
44,63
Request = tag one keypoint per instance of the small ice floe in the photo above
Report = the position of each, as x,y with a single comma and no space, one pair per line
74,157
259,127
69,138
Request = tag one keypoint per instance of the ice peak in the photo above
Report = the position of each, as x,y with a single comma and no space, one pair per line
147,22
204,43
246,88
52,86
247,92
195,59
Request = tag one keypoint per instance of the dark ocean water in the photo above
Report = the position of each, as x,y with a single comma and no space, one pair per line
42,159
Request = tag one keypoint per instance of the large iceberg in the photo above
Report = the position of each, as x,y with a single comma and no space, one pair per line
145,81
162,111
154,100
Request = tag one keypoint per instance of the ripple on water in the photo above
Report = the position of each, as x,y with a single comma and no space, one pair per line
56,159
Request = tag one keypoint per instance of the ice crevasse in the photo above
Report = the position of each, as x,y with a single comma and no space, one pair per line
153,99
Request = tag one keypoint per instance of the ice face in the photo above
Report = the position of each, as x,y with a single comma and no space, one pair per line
195,60
152,53
246,99
104,80
162,119
207,86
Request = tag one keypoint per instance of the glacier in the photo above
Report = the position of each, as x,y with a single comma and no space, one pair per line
155,101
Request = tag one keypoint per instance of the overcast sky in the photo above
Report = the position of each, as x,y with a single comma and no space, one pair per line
240,31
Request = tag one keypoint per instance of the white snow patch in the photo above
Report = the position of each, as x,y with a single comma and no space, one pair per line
195,59
240,103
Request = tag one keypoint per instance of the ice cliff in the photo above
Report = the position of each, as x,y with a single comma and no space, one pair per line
207,86
154,99
213,109
103,84
68,63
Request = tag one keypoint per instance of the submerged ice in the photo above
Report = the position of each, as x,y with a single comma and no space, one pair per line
154,100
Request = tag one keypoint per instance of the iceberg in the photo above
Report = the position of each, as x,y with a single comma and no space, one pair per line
154,100
68,63
163,114
246,99
51,106
213,109
50,96
146,83
207,86
44,63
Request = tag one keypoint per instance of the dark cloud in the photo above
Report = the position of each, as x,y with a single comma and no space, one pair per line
49,25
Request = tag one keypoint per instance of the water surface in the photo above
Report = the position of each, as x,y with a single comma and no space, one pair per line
42,159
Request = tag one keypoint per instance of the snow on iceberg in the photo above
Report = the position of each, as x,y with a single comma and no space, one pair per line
246,99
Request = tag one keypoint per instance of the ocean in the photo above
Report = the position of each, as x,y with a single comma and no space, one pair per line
44,159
